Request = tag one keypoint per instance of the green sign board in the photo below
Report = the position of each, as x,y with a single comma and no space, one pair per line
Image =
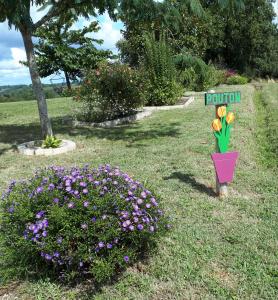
222,98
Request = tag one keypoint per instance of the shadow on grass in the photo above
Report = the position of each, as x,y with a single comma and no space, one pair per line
133,134
43,276
190,180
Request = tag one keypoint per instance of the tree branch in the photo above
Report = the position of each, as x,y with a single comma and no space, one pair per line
52,13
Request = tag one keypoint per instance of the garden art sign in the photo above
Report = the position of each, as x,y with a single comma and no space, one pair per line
224,161
222,98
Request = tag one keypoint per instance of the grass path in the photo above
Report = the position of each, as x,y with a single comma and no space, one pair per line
217,249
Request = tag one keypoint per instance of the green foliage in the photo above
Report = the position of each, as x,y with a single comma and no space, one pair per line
17,93
55,51
112,91
51,142
237,79
148,17
79,222
195,74
160,70
267,125
249,40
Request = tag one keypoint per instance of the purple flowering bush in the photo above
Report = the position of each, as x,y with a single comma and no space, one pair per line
80,221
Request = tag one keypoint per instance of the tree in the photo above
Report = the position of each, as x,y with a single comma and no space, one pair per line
248,38
71,51
184,23
17,13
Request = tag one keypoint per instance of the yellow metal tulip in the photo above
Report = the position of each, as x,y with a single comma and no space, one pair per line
230,117
216,125
221,111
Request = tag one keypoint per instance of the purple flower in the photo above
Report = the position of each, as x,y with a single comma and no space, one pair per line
36,229
11,209
40,214
68,189
86,203
109,246
140,227
160,212
153,201
126,258
56,254
93,219
81,264
44,233
148,205
85,191
32,227
101,245
56,200
84,226
51,187
59,240
76,193
48,257
39,190
139,201
151,228
131,228
45,223
136,207
144,195
68,183
83,184
71,205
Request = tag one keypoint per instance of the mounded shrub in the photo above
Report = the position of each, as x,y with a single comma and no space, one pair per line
195,74
159,69
237,79
79,222
114,90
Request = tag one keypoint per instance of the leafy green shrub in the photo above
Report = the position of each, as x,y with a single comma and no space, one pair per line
195,74
79,222
237,79
160,70
51,142
114,90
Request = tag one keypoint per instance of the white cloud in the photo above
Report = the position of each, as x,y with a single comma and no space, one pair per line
12,51
108,33
11,71
276,10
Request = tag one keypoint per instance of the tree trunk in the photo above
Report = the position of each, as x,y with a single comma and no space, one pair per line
67,80
46,128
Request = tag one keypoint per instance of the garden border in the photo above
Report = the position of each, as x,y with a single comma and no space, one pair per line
31,150
147,111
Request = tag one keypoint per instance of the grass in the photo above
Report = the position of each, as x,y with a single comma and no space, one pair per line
267,119
218,249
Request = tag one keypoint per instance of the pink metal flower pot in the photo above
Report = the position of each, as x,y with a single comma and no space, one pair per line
224,164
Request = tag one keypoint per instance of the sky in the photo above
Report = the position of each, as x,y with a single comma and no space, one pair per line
12,49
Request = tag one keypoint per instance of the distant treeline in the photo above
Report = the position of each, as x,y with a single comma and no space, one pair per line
14,93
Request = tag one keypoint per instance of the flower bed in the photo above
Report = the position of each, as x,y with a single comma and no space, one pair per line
73,222
35,148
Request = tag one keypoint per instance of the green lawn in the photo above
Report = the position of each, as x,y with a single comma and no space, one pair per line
217,249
